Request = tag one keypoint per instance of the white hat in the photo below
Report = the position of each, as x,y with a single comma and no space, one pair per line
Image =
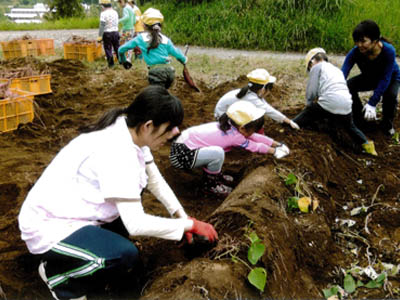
243,112
310,55
260,76
152,16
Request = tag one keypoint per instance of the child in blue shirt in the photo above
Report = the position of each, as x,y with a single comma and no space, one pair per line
155,48
376,59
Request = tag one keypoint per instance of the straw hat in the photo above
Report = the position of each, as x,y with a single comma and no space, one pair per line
244,112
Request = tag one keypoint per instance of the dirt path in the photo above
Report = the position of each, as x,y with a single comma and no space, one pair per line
60,36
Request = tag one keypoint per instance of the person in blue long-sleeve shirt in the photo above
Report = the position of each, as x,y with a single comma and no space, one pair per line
375,56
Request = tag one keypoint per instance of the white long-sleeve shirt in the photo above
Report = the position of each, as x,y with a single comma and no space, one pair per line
74,189
229,98
328,85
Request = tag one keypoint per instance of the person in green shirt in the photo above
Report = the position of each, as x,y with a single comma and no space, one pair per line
128,22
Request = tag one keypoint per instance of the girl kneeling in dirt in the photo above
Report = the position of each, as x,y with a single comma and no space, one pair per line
205,145
155,49
96,179
260,83
328,85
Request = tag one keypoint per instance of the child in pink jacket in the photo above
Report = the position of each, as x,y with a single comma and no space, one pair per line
205,145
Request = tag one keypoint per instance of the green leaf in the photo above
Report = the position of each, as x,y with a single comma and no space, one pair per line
331,291
381,278
254,237
258,278
395,138
255,251
373,284
349,284
360,283
291,179
293,203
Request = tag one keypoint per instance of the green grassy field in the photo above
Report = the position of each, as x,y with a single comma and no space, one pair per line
279,25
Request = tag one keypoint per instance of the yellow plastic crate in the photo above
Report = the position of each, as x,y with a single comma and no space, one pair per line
16,110
37,85
22,48
89,52
19,48
45,46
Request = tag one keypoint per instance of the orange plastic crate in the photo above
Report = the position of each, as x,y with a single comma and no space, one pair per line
89,52
16,110
37,85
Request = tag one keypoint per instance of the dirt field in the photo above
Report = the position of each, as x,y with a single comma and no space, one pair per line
305,252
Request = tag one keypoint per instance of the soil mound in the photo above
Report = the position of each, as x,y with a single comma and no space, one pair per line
305,252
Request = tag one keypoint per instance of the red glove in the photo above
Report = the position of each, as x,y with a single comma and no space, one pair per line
137,51
202,229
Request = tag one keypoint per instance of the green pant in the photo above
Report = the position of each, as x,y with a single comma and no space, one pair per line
163,75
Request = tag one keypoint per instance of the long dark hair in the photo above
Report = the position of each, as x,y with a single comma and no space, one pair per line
226,123
152,103
254,87
155,32
369,29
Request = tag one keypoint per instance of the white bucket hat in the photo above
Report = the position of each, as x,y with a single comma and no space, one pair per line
244,112
260,76
152,16
310,55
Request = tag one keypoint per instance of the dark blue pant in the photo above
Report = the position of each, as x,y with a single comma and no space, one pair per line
315,112
88,259
110,42
360,83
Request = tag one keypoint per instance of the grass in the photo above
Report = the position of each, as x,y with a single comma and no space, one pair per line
278,25
71,23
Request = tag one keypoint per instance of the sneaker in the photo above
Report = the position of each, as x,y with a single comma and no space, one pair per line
42,274
392,131
225,179
220,190
369,148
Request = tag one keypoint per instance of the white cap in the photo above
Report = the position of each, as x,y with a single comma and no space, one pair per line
243,112
260,76
311,54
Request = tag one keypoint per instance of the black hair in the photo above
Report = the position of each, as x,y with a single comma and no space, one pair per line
155,35
320,56
152,103
107,5
225,123
369,29
255,87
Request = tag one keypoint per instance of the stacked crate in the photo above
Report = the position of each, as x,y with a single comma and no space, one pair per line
31,47
17,106
16,109
83,51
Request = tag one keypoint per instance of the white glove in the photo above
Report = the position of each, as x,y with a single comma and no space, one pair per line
281,151
294,125
369,112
